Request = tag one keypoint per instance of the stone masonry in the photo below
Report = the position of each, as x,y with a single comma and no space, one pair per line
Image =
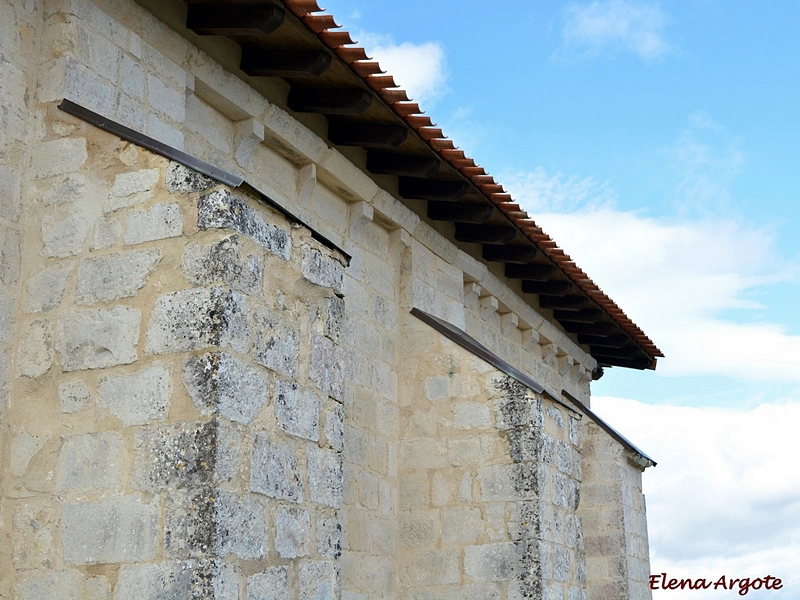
203,398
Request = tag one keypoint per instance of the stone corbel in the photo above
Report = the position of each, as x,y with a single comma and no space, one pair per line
472,291
530,339
306,182
361,213
489,306
248,134
508,323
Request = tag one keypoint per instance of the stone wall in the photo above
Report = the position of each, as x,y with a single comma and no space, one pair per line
190,365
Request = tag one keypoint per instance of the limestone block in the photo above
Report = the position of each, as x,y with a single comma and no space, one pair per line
10,199
107,232
355,445
334,316
218,382
271,584
527,518
561,564
275,343
36,525
110,530
422,453
89,463
97,338
67,188
114,276
470,451
563,457
163,131
297,410
131,80
434,567
528,444
9,255
328,530
220,209
274,470
574,431
74,395
516,411
131,112
470,415
325,479
322,270
61,584
241,528
556,415
491,562
58,157
156,223
189,523
177,455
136,182
35,349
8,306
223,262
24,446
320,580
64,237
178,579
419,527
292,532
461,525
140,398
183,180
166,99
198,318
334,425
509,482
326,368
45,290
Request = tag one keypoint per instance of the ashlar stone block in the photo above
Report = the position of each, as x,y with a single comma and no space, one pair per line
271,584
66,236
325,478
35,348
297,410
45,290
58,157
98,338
491,562
326,368
320,580
275,470
183,180
178,579
114,276
110,530
140,398
292,531
60,584
89,463
276,342
158,222
322,270
223,262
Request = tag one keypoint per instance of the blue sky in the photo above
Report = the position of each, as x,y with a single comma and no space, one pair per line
659,144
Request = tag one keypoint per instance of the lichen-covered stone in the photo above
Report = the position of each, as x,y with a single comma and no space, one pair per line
292,529
223,262
320,580
158,222
35,348
140,398
217,381
45,290
98,338
115,276
190,580
271,584
183,180
275,470
198,318
297,410
325,476
328,529
333,317
326,368
491,562
220,209
275,343
322,270
110,530
74,395
241,526
175,455
334,425
89,463
517,408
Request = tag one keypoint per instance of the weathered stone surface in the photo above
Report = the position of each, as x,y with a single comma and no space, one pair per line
274,470
10,200
491,562
89,463
217,381
156,223
504,483
517,408
64,237
193,579
275,343
223,262
334,425
325,479
297,410
36,526
45,290
10,258
127,184
418,527
469,415
198,318
329,536
326,369
220,209
35,349
57,157
74,395
24,447
97,338
322,270
8,307
175,455
461,525
110,530
292,529
183,180
115,276
271,584
434,567
241,526
333,317
61,584
140,398
66,189
107,231
320,580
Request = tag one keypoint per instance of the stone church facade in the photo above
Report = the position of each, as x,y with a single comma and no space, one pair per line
265,333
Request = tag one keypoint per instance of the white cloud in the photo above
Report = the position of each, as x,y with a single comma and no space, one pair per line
420,69
613,25
725,496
